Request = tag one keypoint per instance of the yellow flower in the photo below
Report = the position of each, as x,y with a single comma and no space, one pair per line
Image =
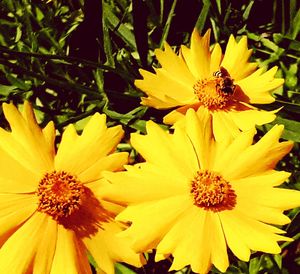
199,78
51,215
194,196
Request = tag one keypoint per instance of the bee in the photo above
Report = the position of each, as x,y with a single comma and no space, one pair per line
226,84
218,73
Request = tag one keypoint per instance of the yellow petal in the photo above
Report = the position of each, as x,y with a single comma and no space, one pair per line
155,102
14,186
172,117
198,57
64,150
49,135
265,196
247,119
163,84
175,65
112,162
284,198
216,57
254,234
258,86
18,153
107,248
181,232
259,157
269,178
45,250
236,59
223,126
25,241
14,210
230,47
189,242
14,177
255,195
100,254
196,239
97,188
143,183
67,257
235,240
144,217
231,150
252,209
198,129
112,207
187,146
219,255
26,142
46,136
77,153
166,156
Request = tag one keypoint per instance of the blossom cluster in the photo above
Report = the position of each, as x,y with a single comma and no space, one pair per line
201,189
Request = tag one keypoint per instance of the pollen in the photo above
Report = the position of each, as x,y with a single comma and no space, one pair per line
60,194
215,92
211,191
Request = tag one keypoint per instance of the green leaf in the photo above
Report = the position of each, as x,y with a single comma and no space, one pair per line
6,90
254,265
18,82
124,118
122,269
202,16
168,24
218,2
247,10
278,260
18,34
295,27
291,81
92,260
39,14
291,128
127,117
116,25
80,125
269,44
108,47
139,125
98,74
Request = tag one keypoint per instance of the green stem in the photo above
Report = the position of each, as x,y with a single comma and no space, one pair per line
168,23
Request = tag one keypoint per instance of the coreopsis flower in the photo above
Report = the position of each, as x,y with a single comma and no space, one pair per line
51,216
195,196
227,85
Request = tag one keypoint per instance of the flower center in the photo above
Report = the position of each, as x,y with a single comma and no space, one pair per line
212,192
72,204
60,194
215,92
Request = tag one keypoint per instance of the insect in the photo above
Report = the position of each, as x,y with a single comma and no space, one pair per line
218,73
226,84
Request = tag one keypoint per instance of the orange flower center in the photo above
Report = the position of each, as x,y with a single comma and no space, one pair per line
72,204
60,194
212,192
215,92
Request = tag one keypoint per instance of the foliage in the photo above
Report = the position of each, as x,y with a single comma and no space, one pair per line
74,58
